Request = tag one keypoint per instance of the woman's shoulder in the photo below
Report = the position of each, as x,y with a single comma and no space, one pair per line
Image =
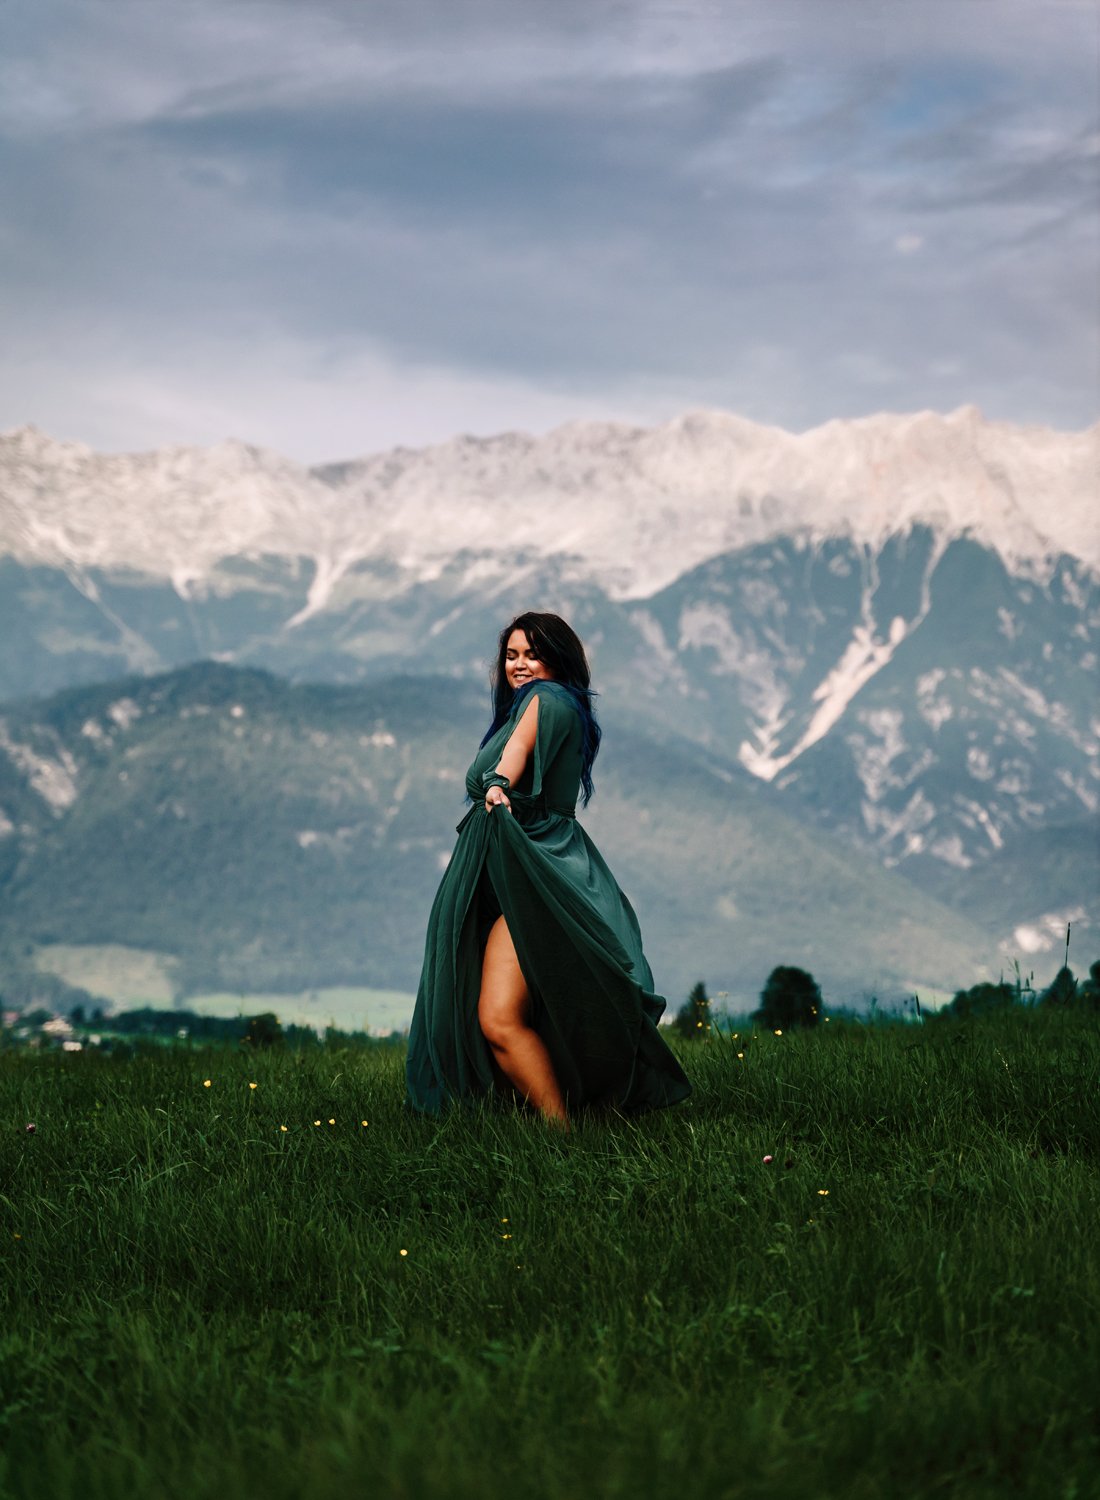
546,690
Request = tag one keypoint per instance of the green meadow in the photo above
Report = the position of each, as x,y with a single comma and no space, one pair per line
258,1275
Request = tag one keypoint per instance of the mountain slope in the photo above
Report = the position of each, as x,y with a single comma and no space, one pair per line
920,703
278,837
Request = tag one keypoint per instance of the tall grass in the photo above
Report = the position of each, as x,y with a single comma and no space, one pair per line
195,1301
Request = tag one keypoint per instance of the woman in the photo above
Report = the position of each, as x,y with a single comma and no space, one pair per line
534,977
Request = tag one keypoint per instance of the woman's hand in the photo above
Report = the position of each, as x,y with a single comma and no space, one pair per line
496,797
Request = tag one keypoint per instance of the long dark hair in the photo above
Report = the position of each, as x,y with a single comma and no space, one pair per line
559,646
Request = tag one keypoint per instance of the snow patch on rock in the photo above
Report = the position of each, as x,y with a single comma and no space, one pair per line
124,712
53,780
864,656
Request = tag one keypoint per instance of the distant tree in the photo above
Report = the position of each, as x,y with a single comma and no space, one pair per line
790,998
264,1030
980,999
693,1018
302,1038
1063,989
1090,987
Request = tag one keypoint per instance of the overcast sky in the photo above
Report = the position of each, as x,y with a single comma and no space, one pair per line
335,226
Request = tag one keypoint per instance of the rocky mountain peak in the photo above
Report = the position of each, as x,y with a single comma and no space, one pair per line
631,507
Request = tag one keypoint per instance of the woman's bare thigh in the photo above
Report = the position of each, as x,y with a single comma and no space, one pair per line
505,1000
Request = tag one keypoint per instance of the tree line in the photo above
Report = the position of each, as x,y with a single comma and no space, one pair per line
791,1000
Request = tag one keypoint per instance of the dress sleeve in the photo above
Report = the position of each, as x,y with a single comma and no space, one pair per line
558,721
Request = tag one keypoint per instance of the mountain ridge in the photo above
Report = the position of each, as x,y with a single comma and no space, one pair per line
629,507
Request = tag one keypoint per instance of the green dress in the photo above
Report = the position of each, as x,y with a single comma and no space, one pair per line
575,935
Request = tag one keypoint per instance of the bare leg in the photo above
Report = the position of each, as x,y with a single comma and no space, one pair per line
503,1010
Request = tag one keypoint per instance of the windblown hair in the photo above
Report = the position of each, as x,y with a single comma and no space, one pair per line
558,646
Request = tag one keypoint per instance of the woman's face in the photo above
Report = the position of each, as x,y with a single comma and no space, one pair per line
520,662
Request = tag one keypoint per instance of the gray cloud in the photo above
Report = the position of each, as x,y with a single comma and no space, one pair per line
793,210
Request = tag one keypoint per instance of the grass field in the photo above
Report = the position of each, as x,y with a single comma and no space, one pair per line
197,1301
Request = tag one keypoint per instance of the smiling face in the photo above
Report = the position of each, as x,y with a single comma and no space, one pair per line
521,664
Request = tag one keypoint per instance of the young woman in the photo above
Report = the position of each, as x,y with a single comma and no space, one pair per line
534,978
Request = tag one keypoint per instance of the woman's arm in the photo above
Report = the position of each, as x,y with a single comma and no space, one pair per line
516,753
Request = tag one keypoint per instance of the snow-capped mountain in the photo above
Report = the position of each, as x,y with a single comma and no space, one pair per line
631,508
922,699
891,623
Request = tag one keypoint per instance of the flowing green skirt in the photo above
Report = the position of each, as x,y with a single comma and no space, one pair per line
580,951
